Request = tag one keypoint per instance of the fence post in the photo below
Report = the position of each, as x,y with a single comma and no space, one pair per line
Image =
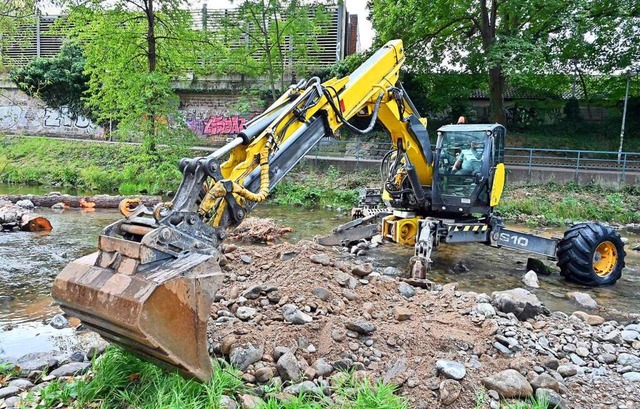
577,174
624,168
204,17
358,147
37,33
530,163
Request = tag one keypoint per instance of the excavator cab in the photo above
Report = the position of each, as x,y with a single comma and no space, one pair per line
466,160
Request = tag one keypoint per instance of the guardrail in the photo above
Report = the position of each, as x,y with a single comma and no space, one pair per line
576,160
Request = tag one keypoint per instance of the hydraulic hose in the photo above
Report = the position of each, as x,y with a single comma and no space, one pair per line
374,115
218,190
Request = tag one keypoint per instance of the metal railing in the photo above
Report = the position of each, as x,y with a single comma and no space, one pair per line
530,158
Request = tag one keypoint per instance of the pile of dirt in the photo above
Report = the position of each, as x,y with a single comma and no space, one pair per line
295,312
258,230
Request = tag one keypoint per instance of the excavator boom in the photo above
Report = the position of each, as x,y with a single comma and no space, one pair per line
150,286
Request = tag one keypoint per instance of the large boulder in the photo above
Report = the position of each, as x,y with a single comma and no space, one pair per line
522,303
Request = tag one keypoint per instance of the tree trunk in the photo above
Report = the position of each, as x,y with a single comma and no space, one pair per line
496,88
151,37
100,201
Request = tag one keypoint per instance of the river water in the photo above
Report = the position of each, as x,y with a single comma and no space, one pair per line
30,261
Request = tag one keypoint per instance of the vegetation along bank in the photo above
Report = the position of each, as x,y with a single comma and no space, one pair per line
128,170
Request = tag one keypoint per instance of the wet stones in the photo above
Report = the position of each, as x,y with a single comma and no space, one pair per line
587,318
530,279
582,299
59,322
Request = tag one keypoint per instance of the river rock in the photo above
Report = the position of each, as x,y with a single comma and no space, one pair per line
545,381
451,369
72,369
345,279
522,303
59,321
530,279
406,290
449,391
241,356
486,309
265,374
629,336
362,270
509,384
245,313
589,319
35,362
289,368
538,267
226,402
22,384
361,327
567,370
322,293
397,373
250,401
320,259
25,204
293,315
626,359
632,376
632,327
393,272
402,313
8,391
322,367
553,398
582,299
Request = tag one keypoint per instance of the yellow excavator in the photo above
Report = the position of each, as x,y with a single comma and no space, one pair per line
150,286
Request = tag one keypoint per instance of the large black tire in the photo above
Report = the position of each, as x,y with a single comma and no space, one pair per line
591,254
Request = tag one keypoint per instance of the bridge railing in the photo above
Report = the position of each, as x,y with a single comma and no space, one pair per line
576,160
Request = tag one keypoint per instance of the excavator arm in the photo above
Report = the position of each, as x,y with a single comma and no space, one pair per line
150,286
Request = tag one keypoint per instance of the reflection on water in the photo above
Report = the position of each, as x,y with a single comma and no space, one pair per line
30,261
492,269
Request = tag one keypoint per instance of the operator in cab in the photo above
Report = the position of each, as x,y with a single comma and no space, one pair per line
469,162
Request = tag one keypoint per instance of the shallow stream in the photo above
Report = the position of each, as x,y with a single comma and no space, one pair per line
30,261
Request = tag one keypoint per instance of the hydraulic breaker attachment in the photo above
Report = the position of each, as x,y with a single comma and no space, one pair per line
149,288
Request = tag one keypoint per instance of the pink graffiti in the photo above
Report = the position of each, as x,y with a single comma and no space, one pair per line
221,125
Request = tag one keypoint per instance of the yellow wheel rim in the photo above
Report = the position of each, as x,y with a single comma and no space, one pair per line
605,259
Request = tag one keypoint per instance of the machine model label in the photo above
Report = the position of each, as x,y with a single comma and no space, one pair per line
528,242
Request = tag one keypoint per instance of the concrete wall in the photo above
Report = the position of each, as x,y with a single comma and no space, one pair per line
20,113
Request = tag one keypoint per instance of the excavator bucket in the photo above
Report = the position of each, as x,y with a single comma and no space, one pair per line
147,291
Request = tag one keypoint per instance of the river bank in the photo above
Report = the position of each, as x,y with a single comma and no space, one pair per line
293,317
102,168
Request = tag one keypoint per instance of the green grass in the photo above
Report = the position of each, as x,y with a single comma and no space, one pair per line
104,168
120,380
552,204
531,403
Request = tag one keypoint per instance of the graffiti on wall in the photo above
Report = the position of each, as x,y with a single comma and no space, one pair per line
212,125
38,119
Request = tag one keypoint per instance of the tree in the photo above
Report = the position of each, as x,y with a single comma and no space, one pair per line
133,49
276,33
59,81
501,38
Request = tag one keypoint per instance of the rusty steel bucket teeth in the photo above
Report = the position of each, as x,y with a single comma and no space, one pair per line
149,289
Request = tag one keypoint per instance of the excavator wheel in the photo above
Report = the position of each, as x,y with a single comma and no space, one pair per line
591,254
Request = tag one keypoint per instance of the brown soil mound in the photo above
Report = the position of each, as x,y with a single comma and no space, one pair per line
258,230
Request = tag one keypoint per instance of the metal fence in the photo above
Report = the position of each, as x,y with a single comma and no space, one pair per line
576,160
